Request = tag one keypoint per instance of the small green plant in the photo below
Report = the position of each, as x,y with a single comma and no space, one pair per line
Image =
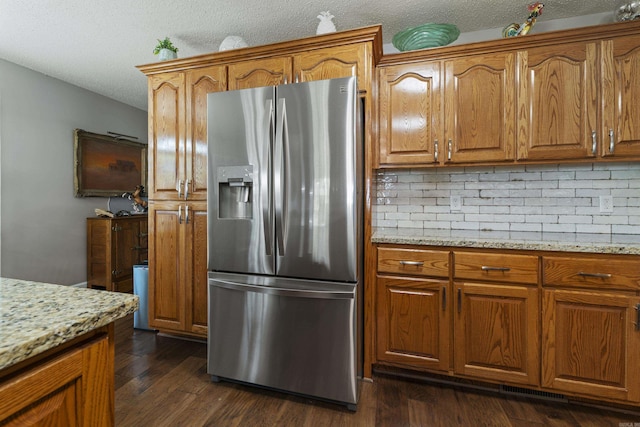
164,44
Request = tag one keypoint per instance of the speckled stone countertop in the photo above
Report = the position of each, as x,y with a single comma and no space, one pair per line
35,317
564,242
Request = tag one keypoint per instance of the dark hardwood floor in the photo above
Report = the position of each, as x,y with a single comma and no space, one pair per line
162,381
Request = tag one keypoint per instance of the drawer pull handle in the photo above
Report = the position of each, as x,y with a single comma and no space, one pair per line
488,268
637,322
459,300
596,275
414,263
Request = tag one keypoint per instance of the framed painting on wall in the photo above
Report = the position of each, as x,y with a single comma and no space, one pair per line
106,165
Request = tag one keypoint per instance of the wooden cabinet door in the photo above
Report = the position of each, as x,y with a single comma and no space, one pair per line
480,108
590,345
195,261
620,63
125,247
558,102
200,82
496,332
413,322
260,72
332,63
167,134
166,294
410,100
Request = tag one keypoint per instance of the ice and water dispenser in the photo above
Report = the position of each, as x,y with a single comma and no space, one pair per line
235,192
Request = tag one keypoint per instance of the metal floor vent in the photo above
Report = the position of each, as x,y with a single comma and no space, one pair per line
543,395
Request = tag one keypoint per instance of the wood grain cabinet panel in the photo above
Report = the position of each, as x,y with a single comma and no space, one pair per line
590,344
620,62
72,388
200,83
413,322
498,267
114,246
410,98
414,262
558,102
600,273
334,62
479,108
166,134
496,332
177,299
261,72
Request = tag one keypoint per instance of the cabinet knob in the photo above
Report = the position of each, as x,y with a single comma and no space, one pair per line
594,140
450,149
179,188
435,150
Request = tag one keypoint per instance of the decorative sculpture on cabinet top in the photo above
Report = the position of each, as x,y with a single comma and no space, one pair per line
513,30
326,24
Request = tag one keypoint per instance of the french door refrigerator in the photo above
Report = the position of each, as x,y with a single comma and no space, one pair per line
285,238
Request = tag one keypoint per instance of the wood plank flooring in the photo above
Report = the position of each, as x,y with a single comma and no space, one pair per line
162,381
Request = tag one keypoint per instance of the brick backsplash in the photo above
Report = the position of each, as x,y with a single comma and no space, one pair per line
542,198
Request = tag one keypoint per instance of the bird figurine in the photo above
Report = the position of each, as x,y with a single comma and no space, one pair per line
513,30
326,24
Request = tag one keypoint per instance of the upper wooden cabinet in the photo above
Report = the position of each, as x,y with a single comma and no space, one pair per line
200,83
178,132
318,64
410,100
557,98
620,62
479,108
166,134
260,72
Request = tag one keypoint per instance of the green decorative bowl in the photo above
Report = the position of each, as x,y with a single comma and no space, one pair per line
424,36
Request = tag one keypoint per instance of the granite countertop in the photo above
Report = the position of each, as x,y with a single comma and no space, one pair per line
35,317
564,242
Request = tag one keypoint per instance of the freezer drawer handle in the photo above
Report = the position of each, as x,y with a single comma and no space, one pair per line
596,275
306,293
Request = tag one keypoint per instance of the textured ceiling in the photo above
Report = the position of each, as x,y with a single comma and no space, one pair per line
96,45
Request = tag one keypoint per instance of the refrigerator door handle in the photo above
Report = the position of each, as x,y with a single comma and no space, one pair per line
280,169
290,292
265,181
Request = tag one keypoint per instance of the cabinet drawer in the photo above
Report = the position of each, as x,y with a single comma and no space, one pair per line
496,267
413,262
587,272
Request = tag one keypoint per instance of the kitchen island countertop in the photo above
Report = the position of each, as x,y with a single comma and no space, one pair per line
563,242
36,317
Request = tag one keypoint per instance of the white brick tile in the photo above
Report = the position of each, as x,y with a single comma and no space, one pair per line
598,229
626,229
410,224
575,219
494,209
525,226
466,225
494,226
594,175
558,228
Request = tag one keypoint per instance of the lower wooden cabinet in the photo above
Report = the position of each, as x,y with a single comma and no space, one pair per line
72,388
564,323
178,267
114,246
413,322
496,332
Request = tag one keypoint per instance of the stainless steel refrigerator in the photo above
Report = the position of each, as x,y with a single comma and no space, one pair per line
285,238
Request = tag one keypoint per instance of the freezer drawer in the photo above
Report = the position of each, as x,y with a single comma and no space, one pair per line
285,334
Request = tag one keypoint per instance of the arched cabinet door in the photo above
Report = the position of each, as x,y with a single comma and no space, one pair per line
260,72
410,114
200,83
620,63
480,108
558,102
